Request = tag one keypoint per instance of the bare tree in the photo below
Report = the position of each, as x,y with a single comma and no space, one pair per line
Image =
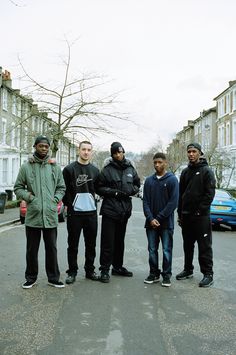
74,105
220,161
145,163
99,158
176,157
16,3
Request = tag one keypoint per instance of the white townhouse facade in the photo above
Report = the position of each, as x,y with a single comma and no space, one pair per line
215,130
226,127
226,117
205,129
20,123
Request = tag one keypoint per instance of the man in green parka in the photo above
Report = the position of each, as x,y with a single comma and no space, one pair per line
40,183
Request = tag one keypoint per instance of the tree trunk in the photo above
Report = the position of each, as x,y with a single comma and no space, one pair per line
54,148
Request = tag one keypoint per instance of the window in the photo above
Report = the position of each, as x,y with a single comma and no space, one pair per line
4,131
41,126
219,133
26,138
199,129
221,139
222,136
221,107
227,103
18,137
14,105
234,100
227,134
19,107
14,169
36,125
44,129
4,99
13,135
24,110
33,124
234,132
4,170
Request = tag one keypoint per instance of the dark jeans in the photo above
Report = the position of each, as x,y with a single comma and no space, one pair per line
154,236
197,228
112,243
33,237
75,224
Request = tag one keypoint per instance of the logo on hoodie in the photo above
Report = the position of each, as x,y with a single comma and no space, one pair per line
82,179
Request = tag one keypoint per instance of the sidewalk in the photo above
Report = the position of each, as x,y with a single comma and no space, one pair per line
9,216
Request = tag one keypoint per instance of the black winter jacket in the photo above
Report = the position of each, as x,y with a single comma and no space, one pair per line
196,189
117,181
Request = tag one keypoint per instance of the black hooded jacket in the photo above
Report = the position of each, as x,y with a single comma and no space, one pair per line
196,189
117,181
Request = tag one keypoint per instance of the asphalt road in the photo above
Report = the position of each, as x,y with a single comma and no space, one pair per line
124,317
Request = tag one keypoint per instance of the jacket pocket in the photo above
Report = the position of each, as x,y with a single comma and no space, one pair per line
84,202
128,185
34,212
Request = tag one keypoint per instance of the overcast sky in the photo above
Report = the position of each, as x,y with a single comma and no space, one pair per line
170,58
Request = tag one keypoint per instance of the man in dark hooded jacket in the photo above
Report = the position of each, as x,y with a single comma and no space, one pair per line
160,199
117,182
197,190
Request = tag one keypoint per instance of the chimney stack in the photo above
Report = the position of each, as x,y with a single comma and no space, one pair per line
6,75
6,78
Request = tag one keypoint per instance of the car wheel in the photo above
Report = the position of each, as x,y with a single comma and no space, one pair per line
233,228
215,227
22,220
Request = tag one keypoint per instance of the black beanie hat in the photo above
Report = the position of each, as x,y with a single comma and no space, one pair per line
116,147
40,139
195,145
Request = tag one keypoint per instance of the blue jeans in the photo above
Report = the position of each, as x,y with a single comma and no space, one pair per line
154,236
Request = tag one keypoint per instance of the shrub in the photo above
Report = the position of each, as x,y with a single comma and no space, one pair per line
12,204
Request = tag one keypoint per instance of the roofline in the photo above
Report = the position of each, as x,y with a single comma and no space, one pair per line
231,84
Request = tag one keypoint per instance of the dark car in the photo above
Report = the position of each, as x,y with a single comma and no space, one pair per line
61,210
223,209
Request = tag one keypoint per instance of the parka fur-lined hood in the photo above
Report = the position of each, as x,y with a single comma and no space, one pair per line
34,159
110,160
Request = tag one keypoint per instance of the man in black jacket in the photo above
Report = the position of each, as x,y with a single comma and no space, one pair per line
197,190
117,182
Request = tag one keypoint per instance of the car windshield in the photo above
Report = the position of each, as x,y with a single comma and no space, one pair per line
222,194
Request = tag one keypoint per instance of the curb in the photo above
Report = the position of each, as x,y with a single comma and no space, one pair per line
7,223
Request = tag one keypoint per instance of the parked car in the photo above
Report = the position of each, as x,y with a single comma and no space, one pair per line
223,209
61,210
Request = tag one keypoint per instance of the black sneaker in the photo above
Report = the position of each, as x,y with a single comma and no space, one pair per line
184,275
29,284
70,279
104,277
122,271
92,276
151,279
166,281
207,281
57,284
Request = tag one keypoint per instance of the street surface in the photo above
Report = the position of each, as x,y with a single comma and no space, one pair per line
124,317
